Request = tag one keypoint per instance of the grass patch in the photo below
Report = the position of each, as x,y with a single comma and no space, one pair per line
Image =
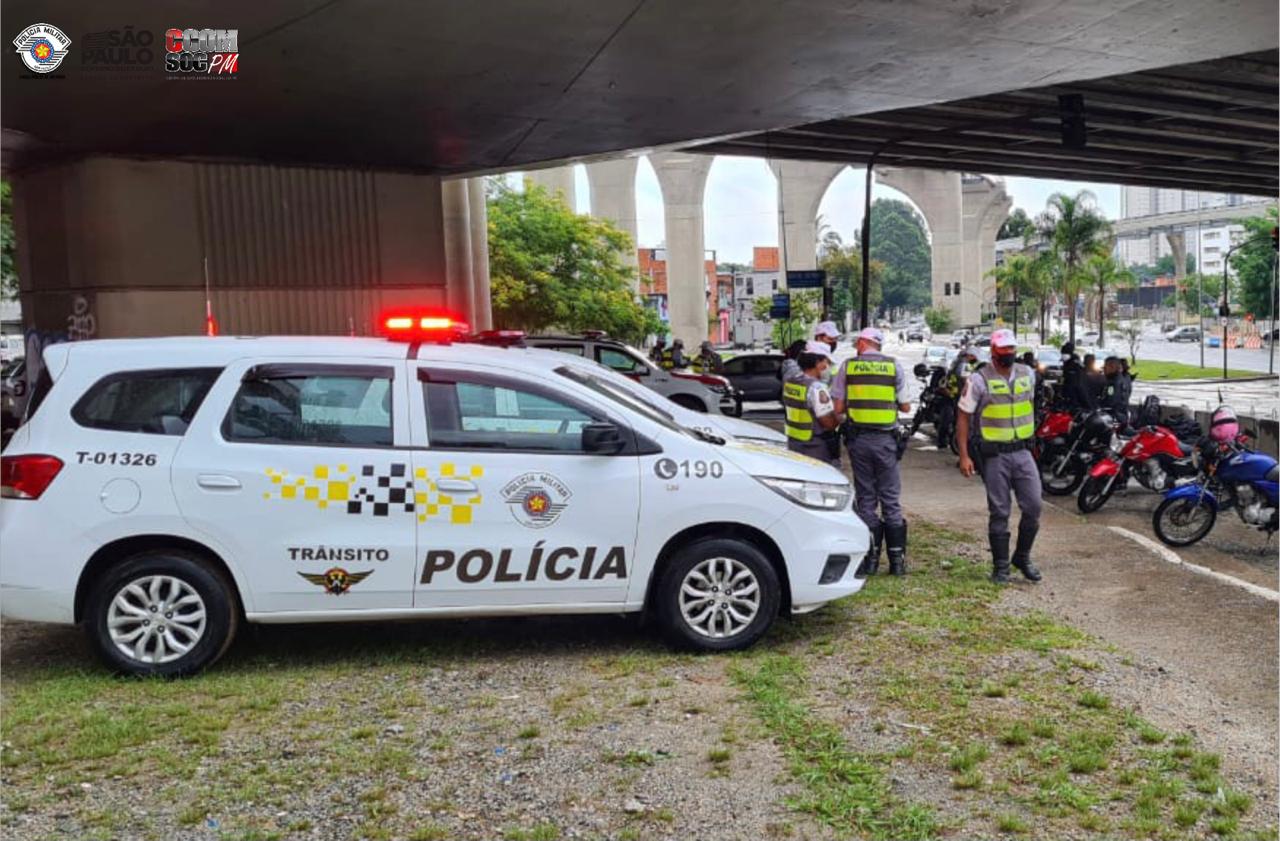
719,756
844,789
529,731
1009,822
1151,369
1016,735
1094,701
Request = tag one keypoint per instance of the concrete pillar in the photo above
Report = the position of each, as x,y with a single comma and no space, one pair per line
1178,245
556,180
939,197
482,315
613,197
985,206
683,178
459,288
112,247
801,186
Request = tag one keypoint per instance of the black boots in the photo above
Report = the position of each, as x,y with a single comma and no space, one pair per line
871,561
999,557
895,539
1022,554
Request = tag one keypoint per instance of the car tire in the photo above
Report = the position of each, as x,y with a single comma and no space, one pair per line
718,621
204,623
689,402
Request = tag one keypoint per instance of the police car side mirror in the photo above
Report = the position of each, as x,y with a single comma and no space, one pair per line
602,438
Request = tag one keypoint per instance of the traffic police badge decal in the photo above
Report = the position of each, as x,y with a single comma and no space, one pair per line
336,581
42,47
537,499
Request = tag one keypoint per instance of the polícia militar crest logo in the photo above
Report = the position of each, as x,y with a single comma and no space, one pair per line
537,499
42,47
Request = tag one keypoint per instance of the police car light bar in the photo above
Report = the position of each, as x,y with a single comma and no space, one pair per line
422,325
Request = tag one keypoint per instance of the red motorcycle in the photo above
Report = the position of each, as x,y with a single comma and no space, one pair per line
1154,456
1052,432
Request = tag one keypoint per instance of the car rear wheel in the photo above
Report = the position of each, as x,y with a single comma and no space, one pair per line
162,613
718,594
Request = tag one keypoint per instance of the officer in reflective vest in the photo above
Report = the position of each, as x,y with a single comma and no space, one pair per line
659,348
871,389
997,405
707,361
812,420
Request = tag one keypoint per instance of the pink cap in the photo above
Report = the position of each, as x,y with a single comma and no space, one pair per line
819,348
1003,338
871,334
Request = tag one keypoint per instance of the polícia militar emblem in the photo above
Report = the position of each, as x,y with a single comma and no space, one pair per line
42,47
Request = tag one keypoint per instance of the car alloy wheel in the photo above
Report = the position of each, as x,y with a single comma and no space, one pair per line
156,619
719,597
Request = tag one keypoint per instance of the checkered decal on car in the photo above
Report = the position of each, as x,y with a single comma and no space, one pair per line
377,490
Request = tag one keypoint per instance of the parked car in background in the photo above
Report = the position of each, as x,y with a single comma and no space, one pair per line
1049,362
935,355
13,395
11,347
699,392
959,337
1089,338
981,340
758,376
920,333
1189,333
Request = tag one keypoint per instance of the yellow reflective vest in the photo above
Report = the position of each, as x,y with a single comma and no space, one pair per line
1007,410
871,398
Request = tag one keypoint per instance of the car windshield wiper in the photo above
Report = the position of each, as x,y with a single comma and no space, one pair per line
705,436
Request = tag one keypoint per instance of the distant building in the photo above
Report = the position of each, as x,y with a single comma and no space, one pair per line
763,280
1209,248
652,265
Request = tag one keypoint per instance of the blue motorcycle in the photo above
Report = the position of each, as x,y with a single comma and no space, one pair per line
1232,477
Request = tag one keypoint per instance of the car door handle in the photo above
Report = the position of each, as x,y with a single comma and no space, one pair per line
455,486
218,482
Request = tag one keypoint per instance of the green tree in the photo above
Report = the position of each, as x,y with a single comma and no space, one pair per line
1028,277
899,243
8,245
1253,265
843,265
938,319
1017,225
1073,227
806,307
1104,274
1199,293
550,267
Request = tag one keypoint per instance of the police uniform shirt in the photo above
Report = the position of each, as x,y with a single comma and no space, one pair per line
975,388
839,383
819,400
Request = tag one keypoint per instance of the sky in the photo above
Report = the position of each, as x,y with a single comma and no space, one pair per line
740,204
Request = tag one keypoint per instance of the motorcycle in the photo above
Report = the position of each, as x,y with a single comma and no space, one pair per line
1066,461
1052,432
1154,456
935,406
1232,477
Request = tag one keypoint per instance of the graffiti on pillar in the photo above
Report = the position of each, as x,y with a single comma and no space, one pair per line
81,323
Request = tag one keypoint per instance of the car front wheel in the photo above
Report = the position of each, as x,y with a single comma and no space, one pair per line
718,594
162,613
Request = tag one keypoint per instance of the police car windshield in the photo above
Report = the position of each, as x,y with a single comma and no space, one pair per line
619,394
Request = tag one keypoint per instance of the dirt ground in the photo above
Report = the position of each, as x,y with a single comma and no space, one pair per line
1207,650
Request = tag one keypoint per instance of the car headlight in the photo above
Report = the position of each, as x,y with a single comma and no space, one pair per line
823,496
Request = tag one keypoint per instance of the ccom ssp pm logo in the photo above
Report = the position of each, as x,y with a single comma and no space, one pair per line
201,53
42,47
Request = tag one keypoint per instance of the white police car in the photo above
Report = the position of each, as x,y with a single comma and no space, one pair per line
164,490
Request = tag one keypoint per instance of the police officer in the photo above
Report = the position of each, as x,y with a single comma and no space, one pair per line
811,420
674,356
870,390
659,348
707,361
997,400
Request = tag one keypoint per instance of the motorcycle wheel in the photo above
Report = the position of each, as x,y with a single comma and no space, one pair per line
1182,522
1063,480
1095,491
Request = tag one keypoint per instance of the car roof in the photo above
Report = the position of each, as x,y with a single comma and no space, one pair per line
220,350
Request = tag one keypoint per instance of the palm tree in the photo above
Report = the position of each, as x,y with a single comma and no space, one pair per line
1073,227
1105,272
1029,278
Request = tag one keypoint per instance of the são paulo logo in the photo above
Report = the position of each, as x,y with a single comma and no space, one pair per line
536,499
42,47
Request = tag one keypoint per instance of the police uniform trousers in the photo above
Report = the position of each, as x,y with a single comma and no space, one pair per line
1009,475
873,455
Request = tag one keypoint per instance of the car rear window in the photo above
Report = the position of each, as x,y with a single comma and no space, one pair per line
330,406
155,402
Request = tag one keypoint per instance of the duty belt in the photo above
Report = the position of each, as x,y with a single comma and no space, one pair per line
990,448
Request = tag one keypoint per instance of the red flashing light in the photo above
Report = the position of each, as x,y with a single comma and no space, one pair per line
422,326
27,476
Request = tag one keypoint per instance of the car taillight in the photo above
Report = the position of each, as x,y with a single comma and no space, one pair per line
27,476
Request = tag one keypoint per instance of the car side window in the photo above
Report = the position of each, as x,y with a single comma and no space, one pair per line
576,350
483,414
735,367
623,363
333,406
157,402
766,365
